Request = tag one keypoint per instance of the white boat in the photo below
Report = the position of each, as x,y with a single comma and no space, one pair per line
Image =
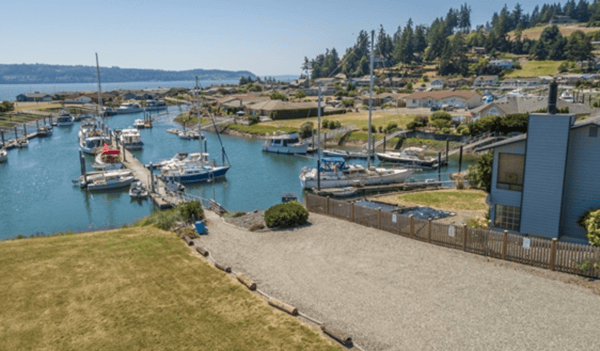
44,131
194,168
109,182
128,108
138,190
345,154
64,119
288,144
91,137
96,175
335,173
411,156
3,155
567,96
139,123
130,138
22,143
155,105
108,159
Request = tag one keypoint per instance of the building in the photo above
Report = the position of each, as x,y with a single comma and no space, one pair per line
514,83
504,64
570,79
485,81
526,104
37,96
270,107
391,99
543,181
437,84
78,99
478,50
460,99
459,82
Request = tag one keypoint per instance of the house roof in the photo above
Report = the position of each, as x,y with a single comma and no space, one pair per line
510,105
523,137
278,105
442,94
486,78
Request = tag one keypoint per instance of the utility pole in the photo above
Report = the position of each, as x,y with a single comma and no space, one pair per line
319,140
370,103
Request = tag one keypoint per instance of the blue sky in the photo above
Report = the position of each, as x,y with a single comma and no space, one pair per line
265,37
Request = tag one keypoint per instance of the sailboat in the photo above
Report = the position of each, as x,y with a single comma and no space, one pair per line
334,172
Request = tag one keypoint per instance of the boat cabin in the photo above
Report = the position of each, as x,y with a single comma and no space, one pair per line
283,140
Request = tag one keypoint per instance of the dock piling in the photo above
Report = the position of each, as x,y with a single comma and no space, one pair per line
25,130
460,159
82,165
439,166
2,133
384,142
447,150
16,134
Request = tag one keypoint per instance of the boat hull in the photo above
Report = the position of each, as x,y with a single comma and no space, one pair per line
286,150
405,161
135,146
333,181
199,177
3,156
99,186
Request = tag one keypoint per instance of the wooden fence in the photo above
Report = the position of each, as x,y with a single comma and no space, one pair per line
539,252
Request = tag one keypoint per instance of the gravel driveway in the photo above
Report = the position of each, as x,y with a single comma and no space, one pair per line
394,293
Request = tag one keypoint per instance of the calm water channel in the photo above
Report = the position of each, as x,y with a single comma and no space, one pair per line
37,195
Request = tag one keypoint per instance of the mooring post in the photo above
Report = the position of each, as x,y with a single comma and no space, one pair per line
37,123
439,166
460,159
124,156
25,130
2,132
16,134
82,165
384,142
44,119
151,177
447,150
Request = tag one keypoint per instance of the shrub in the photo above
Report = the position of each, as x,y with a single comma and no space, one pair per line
253,119
256,226
380,129
300,94
391,127
306,130
161,219
591,222
287,215
441,115
480,175
191,210
238,214
325,123
275,95
348,102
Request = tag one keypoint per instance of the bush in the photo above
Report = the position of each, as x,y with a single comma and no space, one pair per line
161,219
325,123
275,95
480,175
300,94
256,226
306,130
334,124
253,119
391,127
191,210
380,129
287,215
441,115
348,102
591,222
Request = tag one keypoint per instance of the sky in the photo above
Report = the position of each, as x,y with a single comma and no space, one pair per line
267,38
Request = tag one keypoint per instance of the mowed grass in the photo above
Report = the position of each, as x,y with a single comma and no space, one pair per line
358,119
535,69
132,289
472,200
535,32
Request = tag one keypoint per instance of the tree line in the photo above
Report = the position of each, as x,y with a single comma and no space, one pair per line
449,38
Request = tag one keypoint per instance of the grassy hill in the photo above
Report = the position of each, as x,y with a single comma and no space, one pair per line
535,69
566,30
132,289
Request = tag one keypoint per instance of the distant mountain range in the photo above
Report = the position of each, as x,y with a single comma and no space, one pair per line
56,74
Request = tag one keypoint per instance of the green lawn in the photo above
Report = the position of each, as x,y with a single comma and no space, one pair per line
133,289
447,199
535,69
358,119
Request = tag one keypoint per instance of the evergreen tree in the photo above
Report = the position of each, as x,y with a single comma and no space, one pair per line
464,21
420,40
384,47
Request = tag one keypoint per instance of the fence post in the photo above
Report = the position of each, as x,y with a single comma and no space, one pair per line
429,230
308,202
379,218
352,212
412,226
504,244
327,204
465,232
552,262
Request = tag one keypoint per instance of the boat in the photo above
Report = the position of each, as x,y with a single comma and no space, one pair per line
345,154
567,96
155,105
64,119
138,190
3,155
109,181
335,173
131,140
287,144
44,131
22,143
95,175
92,137
108,159
173,131
139,123
411,156
195,168
128,108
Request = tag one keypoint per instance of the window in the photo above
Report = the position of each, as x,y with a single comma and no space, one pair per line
593,132
510,171
507,217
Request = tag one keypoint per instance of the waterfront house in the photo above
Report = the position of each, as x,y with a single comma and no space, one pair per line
437,84
459,82
271,108
543,181
485,81
460,99
37,96
513,83
504,64
528,104
78,99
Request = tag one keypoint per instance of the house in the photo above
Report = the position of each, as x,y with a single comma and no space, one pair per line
478,50
459,82
543,181
391,99
437,84
569,79
527,104
485,81
314,90
504,64
395,81
268,108
460,99
37,96
556,19
366,81
513,83
78,99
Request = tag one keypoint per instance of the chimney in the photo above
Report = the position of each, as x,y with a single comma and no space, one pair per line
552,97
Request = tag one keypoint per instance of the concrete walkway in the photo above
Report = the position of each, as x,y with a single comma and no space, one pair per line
394,293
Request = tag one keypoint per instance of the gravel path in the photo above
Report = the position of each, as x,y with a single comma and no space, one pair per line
394,293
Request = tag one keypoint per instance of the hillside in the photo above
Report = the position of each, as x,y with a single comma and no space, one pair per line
55,74
133,289
566,30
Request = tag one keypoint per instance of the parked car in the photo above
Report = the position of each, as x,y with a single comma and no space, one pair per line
434,108
447,107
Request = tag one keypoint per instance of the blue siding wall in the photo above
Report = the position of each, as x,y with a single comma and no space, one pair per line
545,161
582,184
501,196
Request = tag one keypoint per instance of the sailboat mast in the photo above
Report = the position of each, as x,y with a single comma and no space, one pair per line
99,90
370,103
319,140
198,115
